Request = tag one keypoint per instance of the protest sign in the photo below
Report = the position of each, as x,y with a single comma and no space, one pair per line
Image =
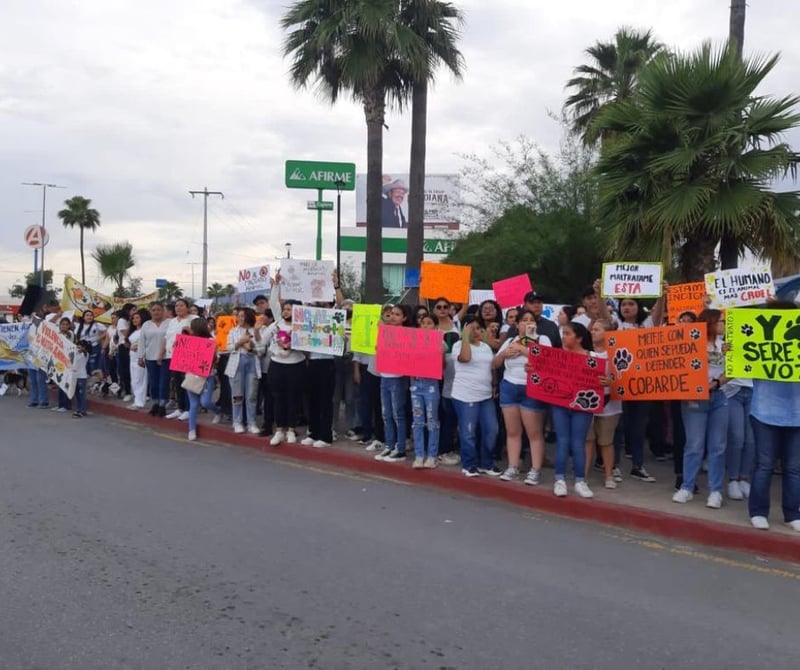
550,312
632,280
53,353
511,292
13,345
318,330
739,288
478,295
667,363
566,379
411,279
79,298
193,354
364,328
413,352
254,279
765,344
225,324
440,280
307,280
685,298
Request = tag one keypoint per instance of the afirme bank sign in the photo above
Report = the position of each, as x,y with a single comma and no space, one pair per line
321,175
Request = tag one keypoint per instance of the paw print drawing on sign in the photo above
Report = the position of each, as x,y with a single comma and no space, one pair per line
591,362
620,391
793,330
694,334
535,378
748,368
612,341
700,389
696,364
747,329
622,360
535,350
586,401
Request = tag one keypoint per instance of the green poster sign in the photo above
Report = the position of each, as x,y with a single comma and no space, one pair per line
320,175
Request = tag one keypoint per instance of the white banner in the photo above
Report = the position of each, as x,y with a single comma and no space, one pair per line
307,281
254,279
739,288
53,353
318,330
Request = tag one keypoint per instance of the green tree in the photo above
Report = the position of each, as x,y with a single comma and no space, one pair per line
693,157
170,291
438,24
215,292
358,47
611,76
115,260
79,214
32,279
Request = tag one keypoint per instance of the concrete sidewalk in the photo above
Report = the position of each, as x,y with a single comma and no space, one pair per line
635,505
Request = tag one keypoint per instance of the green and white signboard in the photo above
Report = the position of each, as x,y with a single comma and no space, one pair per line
321,175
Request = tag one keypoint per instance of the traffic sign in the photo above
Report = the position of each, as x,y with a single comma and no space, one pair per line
320,175
36,237
326,205
161,283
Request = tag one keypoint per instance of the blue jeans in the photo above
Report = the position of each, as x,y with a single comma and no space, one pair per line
448,422
634,427
476,418
393,402
571,428
741,444
80,396
157,394
425,414
244,389
773,442
38,383
164,376
706,425
204,400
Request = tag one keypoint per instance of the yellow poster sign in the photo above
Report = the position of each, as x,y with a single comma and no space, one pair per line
78,298
364,328
765,344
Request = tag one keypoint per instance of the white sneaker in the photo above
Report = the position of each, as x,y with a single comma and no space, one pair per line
451,458
533,478
510,474
238,428
560,488
735,491
386,451
418,463
217,418
307,441
610,484
320,444
134,407
714,500
192,435
616,475
794,525
127,398
430,463
745,488
255,430
291,437
759,522
174,415
277,438
183,416
374,445
682,496
583,490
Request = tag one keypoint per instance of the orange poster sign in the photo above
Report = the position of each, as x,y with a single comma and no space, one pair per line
440,280
668,363
685,298
225,324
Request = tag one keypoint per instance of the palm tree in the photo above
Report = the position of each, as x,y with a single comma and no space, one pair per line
170,291
79,213
693,157
115,260
215,291
611,76
361,48
438,25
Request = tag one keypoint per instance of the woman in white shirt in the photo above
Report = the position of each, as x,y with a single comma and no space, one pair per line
178,324
473,390
138,372
92,332
124,351
244,369
519,411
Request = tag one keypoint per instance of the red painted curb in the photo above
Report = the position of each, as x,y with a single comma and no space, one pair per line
719,535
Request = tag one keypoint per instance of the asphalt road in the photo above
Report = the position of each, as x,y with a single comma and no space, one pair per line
123,548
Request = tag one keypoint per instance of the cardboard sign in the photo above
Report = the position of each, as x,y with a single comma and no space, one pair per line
193,354
225,323
364,328
13,345
667,363
511,292
765,344
685,298
254,279
412,352
79,298
439,280
550,312
53,353
478,295
739,288
632,280
318,330
566,379
307,281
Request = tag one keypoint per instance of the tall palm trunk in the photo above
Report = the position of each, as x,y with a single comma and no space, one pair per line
416,179
374,112
83,264
697,257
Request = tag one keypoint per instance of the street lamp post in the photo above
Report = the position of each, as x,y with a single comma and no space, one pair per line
44,186
339,186
288,246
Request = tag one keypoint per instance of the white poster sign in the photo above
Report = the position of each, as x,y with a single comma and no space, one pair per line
318,330
53,353
254,279
632,279
740,287
307,281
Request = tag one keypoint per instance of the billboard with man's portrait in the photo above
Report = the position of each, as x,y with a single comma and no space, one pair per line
441,195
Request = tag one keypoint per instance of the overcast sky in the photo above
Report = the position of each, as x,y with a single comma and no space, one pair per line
132,104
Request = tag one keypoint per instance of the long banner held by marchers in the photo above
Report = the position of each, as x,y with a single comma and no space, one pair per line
318,330
566,379
13,345
53,353
412,352
78,298
668,363
765,344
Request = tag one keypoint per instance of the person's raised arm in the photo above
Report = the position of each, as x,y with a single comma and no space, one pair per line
465,354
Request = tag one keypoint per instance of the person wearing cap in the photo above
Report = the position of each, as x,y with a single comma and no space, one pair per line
534,303
392,215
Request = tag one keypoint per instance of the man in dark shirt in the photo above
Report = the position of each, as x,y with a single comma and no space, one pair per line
535,303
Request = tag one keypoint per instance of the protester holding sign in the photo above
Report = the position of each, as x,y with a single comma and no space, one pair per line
177,325
199,328
425,410
448,420
245,342
706,421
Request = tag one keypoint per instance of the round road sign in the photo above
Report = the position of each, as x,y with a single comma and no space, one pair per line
36,237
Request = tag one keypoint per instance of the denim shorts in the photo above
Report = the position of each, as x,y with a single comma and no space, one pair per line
514,395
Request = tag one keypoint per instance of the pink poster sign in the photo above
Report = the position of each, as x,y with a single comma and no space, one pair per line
193,354
511,292
566,379
410,352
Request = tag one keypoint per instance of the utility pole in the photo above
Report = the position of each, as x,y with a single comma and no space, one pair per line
193,263
44,210
205,193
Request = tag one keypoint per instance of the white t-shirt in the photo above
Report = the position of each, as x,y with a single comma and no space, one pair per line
515,367
90,332
174,329
612,407
647,323
122,324
473,381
